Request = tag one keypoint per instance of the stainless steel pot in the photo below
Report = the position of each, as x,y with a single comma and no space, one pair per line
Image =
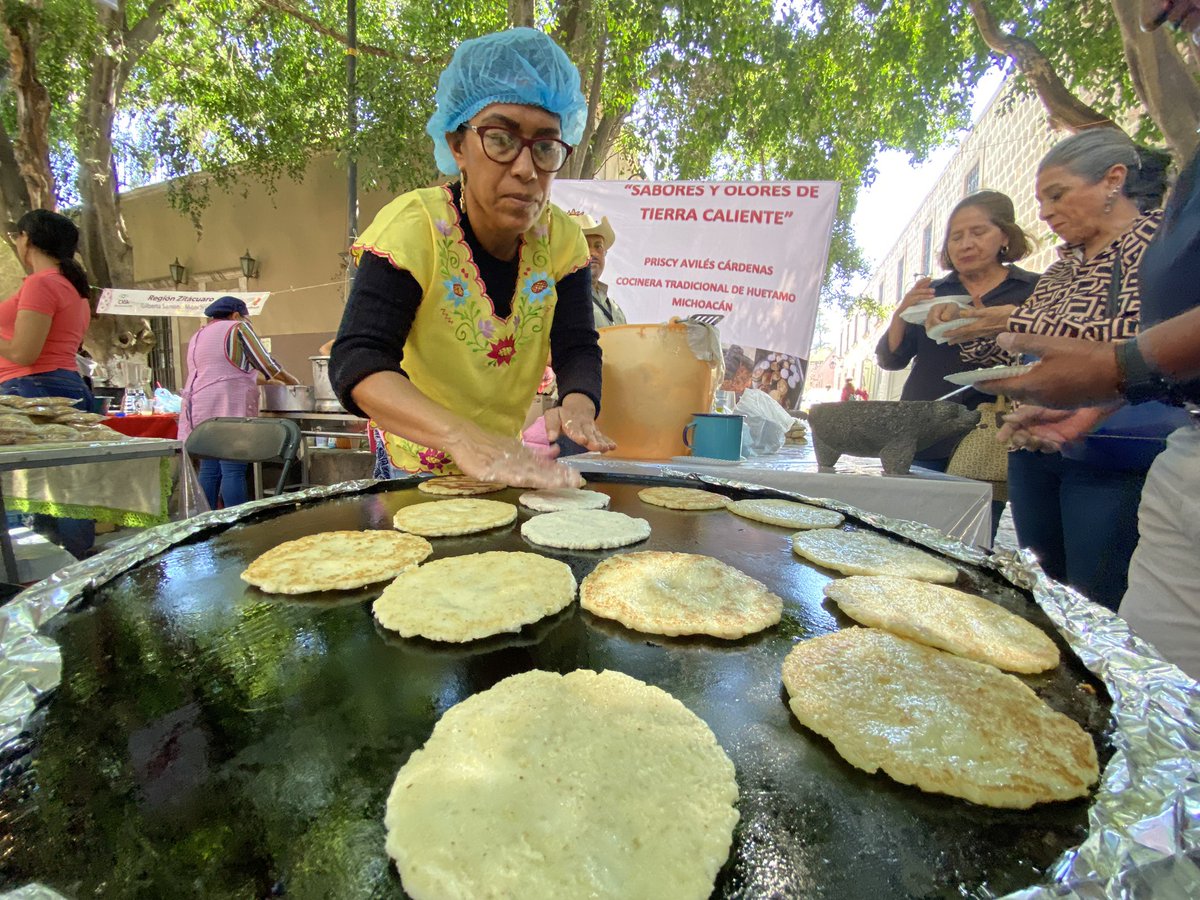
286,397
325,399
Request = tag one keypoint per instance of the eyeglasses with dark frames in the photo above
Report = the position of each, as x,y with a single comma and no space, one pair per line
503,145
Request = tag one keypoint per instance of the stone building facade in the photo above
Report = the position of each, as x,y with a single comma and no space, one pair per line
1001,153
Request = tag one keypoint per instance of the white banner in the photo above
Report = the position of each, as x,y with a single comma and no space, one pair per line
754,252
117,301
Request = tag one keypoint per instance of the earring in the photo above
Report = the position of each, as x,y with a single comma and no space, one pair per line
1112,196
1004,253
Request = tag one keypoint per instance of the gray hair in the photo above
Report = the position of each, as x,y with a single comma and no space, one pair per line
1090,154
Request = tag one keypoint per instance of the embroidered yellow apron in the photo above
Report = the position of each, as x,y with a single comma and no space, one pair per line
459,353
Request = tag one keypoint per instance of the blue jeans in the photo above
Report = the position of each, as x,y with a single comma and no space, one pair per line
76,536
1080,520
225,479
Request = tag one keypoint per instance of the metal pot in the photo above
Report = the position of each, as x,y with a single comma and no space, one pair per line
326,399
286,397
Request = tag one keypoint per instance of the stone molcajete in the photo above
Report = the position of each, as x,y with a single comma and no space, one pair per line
893,430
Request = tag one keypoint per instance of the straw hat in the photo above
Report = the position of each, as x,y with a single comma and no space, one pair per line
590,226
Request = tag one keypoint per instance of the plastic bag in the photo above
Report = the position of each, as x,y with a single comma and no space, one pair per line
766,425
166,402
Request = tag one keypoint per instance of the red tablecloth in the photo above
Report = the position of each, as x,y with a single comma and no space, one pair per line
163,426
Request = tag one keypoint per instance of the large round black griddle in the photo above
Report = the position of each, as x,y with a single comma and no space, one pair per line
211,740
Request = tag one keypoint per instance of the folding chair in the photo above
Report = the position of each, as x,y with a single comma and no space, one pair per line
248,440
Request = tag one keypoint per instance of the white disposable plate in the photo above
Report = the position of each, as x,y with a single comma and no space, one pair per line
939,331
917,313
976,375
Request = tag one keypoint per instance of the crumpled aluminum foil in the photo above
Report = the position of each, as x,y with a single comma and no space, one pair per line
1144,835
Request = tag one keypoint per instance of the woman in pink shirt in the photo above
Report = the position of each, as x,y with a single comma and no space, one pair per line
41,328
42,324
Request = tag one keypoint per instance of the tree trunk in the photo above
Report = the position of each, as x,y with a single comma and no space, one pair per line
1163,80
520,13
13,190
1063,108
31,144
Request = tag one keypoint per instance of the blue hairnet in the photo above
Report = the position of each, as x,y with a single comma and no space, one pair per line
521,65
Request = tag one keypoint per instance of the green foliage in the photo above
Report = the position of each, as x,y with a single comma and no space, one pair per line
243,90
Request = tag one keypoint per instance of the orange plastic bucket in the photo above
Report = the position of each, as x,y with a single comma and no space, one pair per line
653,385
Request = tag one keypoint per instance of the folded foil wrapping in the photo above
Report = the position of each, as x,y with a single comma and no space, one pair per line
1144,833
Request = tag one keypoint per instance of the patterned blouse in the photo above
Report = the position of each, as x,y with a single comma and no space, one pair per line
1072,297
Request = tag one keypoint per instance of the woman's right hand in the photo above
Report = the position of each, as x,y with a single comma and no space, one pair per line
943,312
490,457
921,291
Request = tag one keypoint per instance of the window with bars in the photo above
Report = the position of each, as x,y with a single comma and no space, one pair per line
927,249
972,182
900,279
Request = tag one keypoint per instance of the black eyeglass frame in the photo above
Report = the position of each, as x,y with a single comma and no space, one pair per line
523,142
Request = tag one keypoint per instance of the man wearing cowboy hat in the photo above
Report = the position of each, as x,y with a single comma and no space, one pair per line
600,238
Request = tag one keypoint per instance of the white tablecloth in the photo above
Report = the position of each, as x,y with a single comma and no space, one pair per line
958,506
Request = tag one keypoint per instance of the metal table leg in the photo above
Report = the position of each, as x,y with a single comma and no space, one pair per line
6,548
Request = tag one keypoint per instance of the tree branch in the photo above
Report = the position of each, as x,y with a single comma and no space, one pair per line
520,13
1063,108
286,8
1162,78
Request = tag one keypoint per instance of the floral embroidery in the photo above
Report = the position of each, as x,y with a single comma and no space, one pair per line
536,286
466,306
503,351
458,290
433,460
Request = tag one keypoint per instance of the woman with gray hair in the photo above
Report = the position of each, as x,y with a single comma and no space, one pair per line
1100,193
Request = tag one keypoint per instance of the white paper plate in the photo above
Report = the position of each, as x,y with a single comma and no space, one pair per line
939,331
977,375
917,313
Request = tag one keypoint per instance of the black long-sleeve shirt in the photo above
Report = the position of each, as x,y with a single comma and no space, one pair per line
934,361
383,305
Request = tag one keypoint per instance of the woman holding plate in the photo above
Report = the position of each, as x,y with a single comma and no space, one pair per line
1100,193
982,242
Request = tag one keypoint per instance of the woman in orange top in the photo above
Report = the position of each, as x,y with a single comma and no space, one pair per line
41,328
42,324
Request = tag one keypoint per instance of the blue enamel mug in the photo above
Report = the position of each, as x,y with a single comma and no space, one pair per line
714,435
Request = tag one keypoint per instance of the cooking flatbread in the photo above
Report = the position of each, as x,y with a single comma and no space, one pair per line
443,518
787,513
555,786
682,498
585,529
943,617
465,598
867,553
945,724
335,561
458,486
679,593
563,498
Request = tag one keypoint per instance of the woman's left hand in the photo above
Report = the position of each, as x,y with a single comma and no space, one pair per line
1046,430
981,322
576,418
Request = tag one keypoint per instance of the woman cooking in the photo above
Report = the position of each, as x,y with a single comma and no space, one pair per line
1099,193
464,290
226,363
